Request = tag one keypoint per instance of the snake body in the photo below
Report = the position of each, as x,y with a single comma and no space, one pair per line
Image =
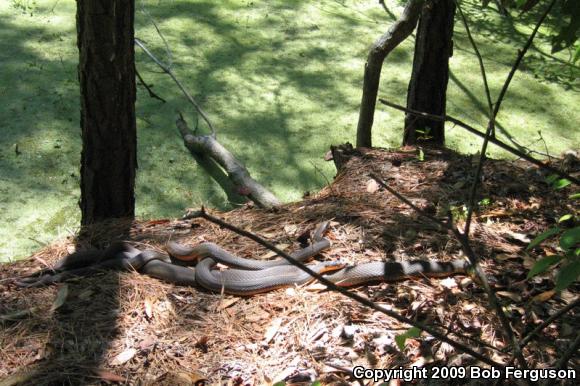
383,271
244,283
249,277
121,256
214,251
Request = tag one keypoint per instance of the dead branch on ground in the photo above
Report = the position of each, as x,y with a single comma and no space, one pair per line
243,182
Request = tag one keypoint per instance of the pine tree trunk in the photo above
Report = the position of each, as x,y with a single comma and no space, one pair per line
428,85
107,81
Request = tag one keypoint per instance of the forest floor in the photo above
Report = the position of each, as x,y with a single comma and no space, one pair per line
130,329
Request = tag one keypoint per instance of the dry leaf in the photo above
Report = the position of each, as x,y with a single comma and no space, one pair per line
156,222
124,357
519,236
182,378
528,261
272,330
316,287
147,343
504,257
468,307
372,186
109,377
290,291
60,297
465,282
540,298
449,283
228,302
148,309
284,374
510,295
202,343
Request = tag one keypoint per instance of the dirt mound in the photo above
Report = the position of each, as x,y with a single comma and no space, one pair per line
133,329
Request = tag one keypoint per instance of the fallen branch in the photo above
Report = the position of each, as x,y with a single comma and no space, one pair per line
495,141
244,184
548,321
572,350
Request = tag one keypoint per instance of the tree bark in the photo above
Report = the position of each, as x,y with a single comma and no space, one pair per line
398,32
105,32
428,85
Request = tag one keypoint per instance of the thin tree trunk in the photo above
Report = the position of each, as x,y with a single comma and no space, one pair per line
107,81
428,85
398,32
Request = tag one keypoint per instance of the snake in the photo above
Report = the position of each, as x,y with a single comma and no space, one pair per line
123,256
248,277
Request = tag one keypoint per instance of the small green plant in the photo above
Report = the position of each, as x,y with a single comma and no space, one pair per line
413,332
421,155
485,202
569,245
557,183
423,134
458,212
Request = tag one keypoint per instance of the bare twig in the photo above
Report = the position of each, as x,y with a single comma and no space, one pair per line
495,141
548,321
465,245
169,72
491,124
490,133
151,93
480,60
362,300
521,54
562,362
167,49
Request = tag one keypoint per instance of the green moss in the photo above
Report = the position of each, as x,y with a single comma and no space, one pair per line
281,81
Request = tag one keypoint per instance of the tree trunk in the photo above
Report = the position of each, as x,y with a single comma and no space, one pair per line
398,32
428,85
106,70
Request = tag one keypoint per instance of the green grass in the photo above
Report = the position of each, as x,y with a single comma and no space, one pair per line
281,82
